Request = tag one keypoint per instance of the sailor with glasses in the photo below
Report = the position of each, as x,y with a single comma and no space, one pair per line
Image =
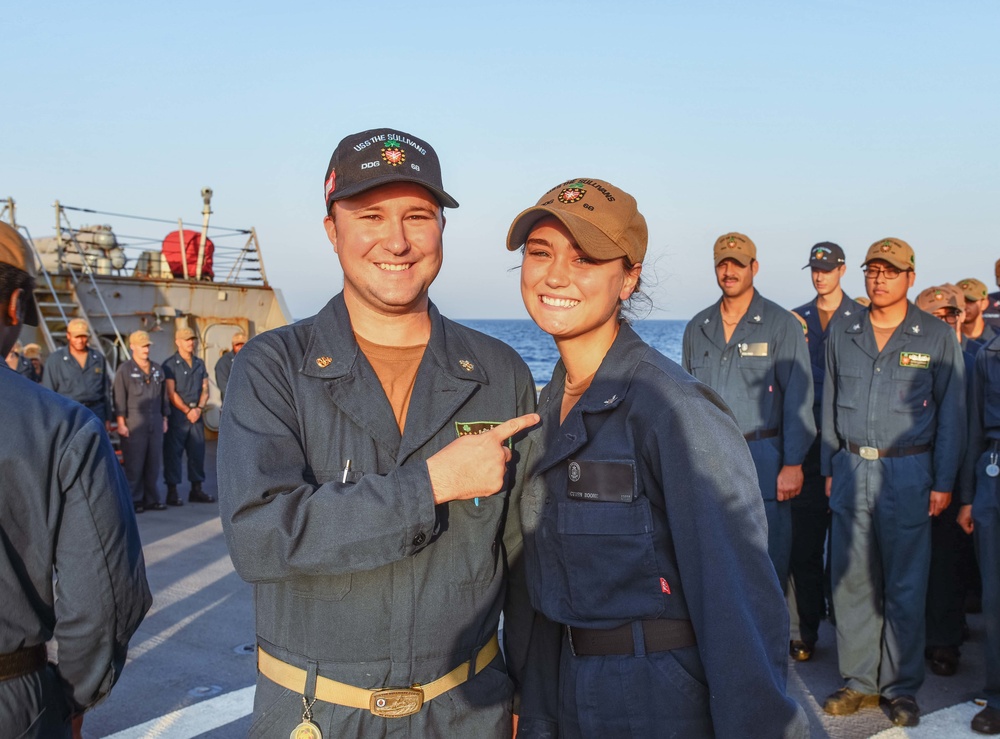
892,441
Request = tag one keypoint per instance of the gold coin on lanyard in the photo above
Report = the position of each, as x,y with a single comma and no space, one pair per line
306,730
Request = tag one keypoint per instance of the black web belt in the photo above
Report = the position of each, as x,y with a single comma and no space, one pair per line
871,453
660,635
758,435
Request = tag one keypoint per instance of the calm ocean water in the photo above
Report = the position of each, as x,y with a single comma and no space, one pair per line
539,351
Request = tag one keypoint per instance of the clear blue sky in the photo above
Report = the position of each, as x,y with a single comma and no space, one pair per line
793,122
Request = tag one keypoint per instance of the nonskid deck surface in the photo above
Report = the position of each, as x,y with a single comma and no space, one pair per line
191,666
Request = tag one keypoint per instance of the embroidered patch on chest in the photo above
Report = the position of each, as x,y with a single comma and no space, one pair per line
916,360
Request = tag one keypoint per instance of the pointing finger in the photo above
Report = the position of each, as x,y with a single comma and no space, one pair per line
514,426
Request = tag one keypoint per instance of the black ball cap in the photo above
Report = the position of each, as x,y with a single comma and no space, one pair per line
378,157
825,256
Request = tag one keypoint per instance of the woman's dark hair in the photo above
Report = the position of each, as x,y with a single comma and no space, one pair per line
637,302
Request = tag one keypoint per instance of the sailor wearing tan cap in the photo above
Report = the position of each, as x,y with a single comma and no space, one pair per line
80,372
643,524
975,331
187,394
892,442
224,367
71,567
141,406
753,353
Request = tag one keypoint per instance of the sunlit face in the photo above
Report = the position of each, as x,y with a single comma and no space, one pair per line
827,282
973,309
567,293
185,346
735,279
885,292
389,244
78,342
140,353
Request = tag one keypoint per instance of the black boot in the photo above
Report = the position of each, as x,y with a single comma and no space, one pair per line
172,498
198,495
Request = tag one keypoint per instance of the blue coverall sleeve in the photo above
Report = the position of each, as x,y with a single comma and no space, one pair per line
952,423
100,577
278,523
977,433
687,347
829,443
119,406
716,517
793,369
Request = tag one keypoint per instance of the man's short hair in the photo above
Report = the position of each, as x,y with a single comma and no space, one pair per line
11,279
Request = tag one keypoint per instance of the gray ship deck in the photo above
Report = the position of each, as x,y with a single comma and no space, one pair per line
191,673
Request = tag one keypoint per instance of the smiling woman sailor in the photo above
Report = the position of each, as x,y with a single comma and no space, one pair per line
659,613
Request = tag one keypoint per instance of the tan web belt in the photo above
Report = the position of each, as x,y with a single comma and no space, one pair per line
385,702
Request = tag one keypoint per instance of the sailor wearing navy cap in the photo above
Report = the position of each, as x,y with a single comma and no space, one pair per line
810,510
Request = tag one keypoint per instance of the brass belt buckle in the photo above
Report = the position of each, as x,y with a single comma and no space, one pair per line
869,452
396,702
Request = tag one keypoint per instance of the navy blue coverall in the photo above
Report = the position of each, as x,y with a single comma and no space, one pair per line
141,399
906,401
682,538
328,510
89,385
71,565
811,509
762,373
982,492
223,368
183,436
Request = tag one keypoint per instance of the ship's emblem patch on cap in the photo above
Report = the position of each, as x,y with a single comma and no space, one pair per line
820,252
392,154
731,243
886,246
938,295
466,365
572,194
331,182
324,362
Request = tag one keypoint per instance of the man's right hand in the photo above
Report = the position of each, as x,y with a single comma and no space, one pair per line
122,428
829,485
475,466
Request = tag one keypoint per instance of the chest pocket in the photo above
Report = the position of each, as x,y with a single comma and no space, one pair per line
911,389
606,548
849,387
701,369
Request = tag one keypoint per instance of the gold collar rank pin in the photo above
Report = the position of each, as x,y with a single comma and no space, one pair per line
324,362
466,365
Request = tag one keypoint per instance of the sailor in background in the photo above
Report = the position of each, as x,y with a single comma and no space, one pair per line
892,443
187,394
142,408
975,331
225,364
980,515
809,582
80,373
33,353
71,566
752,352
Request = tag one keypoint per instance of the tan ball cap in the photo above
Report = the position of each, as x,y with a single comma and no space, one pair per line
604,221
973,289
894,251
934,298
77,327
183,333
139,338
735,246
